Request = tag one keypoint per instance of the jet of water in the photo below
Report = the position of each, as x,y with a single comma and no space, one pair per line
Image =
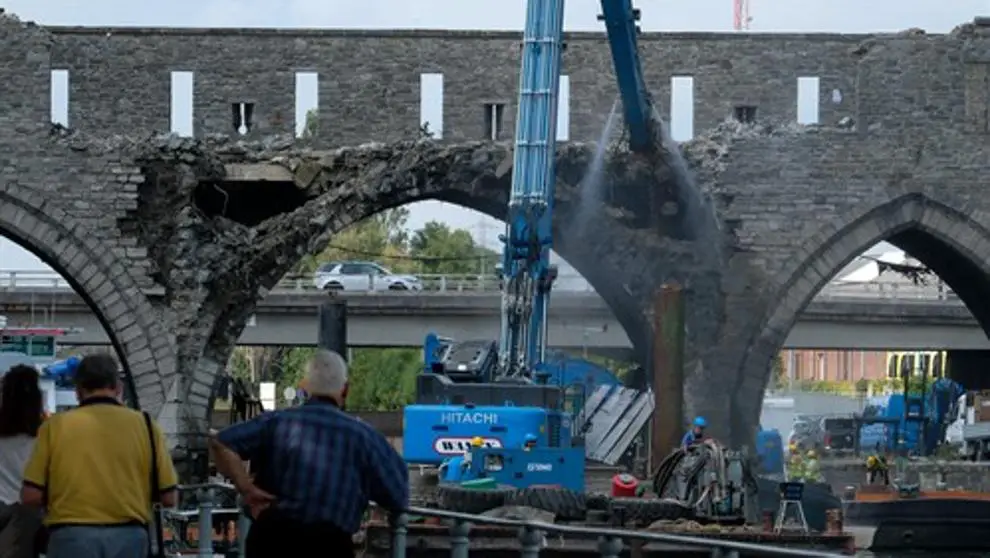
696,211
591,186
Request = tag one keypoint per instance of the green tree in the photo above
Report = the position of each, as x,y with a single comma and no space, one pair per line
382,237
283,365
440,249
620,368
312,123
383,379
778,373
380,379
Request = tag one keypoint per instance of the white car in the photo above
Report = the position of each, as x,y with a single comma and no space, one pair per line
362,276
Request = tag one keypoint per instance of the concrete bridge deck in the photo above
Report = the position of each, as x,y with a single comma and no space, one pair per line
578,320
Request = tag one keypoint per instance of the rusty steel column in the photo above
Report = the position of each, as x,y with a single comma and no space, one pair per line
668,372
332,334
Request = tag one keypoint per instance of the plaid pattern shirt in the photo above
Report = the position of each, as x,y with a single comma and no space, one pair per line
322,465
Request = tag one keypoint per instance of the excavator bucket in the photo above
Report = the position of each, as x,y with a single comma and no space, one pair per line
612,417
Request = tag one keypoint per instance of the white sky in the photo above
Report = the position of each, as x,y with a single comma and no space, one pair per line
851,16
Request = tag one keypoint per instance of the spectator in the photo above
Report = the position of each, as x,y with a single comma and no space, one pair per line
21,412
92,470
315,469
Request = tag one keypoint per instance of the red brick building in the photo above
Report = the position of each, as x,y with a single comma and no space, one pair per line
834,365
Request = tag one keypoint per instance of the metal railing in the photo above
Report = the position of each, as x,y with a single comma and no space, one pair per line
467,283
888,290
531,534
12,280
611,541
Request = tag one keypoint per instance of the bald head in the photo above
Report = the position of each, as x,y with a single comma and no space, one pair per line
326,374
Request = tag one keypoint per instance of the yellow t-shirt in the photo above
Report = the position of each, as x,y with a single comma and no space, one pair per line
94,463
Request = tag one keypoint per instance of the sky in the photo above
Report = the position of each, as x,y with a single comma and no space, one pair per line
849,16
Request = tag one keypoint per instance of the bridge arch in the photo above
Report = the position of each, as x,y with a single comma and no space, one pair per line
952,243
478,176
102,281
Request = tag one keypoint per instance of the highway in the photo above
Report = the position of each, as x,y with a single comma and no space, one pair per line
578,319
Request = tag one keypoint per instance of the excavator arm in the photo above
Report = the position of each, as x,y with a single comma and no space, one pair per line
642,121
527,273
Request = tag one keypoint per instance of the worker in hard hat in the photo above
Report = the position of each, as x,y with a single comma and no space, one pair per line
876,466
529,442
453,468
476,442
696,434
795,466
812,468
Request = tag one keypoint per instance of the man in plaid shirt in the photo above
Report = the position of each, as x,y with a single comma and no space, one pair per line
315,468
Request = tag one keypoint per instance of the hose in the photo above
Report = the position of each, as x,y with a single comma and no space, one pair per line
661,477
709,455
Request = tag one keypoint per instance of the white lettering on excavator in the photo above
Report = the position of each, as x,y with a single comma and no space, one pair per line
539,467
468,418
457,446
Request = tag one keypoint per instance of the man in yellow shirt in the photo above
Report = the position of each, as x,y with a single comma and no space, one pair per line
92,470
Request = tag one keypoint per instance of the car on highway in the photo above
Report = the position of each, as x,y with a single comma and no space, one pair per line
362,276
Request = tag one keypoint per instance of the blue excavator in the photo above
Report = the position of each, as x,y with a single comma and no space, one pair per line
491,404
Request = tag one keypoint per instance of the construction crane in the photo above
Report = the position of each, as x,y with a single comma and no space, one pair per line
642,121
527,273
526,269
740,16
496,392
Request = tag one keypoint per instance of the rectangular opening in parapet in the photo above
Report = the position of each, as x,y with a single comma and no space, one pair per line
60,97
564,109
808,100
307,103
745,114
182,104
243,117
493,120
431,105
681,108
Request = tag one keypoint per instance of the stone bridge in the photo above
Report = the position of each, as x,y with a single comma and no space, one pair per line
899,156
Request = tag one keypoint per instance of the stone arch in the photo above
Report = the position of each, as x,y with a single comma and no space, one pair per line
475,176
103,282
951,238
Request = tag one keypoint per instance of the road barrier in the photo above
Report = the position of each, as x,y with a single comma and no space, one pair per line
11,280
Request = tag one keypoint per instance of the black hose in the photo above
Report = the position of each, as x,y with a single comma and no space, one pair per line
661,477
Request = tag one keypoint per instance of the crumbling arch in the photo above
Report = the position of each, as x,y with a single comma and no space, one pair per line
482,184
949,241
103,282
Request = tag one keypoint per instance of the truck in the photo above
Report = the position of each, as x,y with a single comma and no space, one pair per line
969,432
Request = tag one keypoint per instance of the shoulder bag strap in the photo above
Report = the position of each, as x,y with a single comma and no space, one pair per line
155,548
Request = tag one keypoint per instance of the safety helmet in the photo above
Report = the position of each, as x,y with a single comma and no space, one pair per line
530,438
811,454
700,422
477,442
871,461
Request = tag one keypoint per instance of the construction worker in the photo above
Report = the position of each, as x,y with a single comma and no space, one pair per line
795,466
812,468
876,466
529,442
476,442
696,434
453,468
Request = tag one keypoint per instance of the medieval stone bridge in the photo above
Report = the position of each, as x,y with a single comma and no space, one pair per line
900,155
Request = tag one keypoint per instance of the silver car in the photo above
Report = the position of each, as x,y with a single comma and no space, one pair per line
362,276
